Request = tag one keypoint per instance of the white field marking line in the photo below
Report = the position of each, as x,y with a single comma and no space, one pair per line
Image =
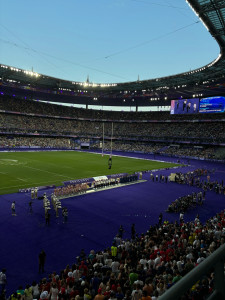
47,172
36,184
3,173
127,156
97,154
51,164
88,152
21,179
9,160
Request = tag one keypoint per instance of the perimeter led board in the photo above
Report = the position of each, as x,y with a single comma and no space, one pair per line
184,106
212,105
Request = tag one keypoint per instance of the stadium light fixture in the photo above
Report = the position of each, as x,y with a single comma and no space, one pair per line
15,69
30,73
4,67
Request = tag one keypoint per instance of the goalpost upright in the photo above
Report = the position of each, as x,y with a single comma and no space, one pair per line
103,137
111,139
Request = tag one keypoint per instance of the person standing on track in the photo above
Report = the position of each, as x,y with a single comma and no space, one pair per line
133,231
42,257
13,208
35,192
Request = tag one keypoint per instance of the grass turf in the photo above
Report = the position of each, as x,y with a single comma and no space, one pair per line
29,169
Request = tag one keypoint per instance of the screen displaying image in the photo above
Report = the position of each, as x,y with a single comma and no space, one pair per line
212,105
184,106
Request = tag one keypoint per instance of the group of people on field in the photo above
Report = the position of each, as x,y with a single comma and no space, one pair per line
71,190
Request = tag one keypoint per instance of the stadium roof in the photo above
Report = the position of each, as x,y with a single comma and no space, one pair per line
206,80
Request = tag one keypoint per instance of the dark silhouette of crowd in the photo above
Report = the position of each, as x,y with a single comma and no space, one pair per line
184,203
143,267
201,179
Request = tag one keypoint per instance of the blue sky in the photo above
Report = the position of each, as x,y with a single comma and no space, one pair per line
109,40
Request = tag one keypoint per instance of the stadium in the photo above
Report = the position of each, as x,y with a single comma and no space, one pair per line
105,204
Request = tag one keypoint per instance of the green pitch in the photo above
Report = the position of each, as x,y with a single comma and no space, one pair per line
28,169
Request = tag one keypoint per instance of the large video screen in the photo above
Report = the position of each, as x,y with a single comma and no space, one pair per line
212,105
184,106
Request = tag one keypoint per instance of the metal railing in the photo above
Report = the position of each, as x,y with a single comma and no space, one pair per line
214,262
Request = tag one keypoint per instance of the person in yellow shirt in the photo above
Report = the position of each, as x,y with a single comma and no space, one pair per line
114,250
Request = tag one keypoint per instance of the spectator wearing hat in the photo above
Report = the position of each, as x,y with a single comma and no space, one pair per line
99,296
70,278
83,268
44,295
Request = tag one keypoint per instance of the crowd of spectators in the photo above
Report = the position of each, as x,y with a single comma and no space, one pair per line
200,131
203,152
143,267
182,204
200,152
215,186
192,178
146,265
147,148
28,124
80,188
71,190
141,136
32,142
36,107
201,179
